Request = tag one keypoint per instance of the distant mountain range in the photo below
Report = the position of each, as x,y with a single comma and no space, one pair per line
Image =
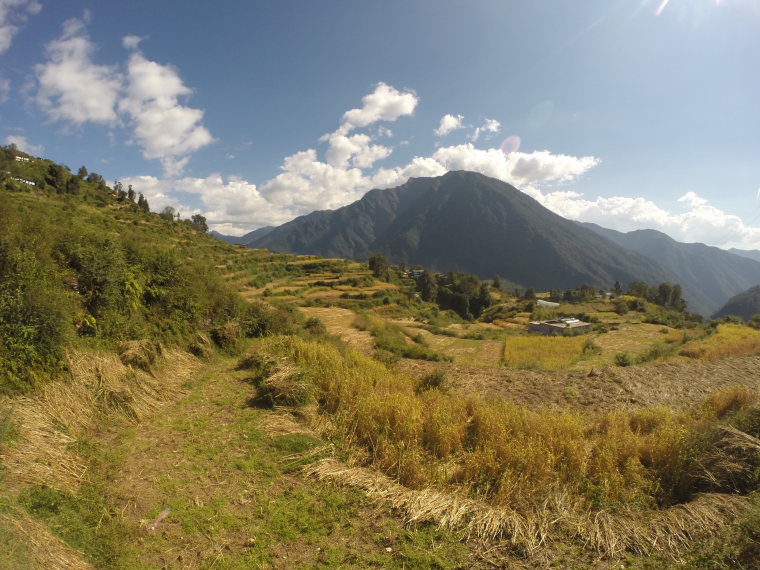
465,221
744,305
250,237
708,275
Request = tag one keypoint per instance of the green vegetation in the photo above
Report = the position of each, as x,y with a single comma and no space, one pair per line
232,452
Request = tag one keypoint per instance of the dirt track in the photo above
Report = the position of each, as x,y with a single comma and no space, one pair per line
674,385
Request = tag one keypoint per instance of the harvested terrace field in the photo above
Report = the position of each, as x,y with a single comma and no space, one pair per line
676,385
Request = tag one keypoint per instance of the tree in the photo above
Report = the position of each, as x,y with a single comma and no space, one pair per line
142,203
427,286
664,292
72,186
130,194
199,223
497,284
82,173
530,293
56,177
379,266
617,289
167,214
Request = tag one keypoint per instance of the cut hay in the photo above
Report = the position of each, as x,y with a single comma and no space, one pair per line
730,463
275,424
447,510
139,353
51,422
48,551
668,531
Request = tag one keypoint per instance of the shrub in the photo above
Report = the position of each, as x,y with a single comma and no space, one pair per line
623,359
432,380
730,400
227,335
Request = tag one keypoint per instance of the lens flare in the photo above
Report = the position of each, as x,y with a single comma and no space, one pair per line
510,144
663,5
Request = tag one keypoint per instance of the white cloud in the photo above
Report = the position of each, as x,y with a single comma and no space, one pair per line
517,168
385,103
489,126
164,128
691,199
699,222
71,87
131,42
448,124
22,143
357,150
13,14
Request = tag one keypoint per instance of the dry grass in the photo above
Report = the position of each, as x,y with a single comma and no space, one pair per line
52,420
611,534
730,400
543,352
48,551
616,480
728,340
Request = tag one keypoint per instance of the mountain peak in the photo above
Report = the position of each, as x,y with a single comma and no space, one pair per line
465,221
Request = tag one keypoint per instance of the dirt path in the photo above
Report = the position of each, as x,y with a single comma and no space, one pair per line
338,321
214,482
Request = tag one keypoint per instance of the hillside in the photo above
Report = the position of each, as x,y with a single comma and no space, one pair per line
749,253
708,275
464,221
745,305
171,401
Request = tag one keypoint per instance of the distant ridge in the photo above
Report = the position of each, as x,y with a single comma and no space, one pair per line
749,253
244,239
708,275
744,305
465,221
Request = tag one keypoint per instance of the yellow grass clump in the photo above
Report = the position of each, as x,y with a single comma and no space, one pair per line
732,399
543,352
728,340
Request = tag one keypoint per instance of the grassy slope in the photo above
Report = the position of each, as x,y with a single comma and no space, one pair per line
227,471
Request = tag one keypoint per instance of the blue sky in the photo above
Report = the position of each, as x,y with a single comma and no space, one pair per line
631,114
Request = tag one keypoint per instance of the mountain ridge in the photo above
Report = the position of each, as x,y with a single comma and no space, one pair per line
465,221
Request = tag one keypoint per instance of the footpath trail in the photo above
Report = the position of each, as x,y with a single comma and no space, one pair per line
213,482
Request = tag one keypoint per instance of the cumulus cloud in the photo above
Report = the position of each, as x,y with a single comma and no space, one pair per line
71,87
448,124
164,128
148,96
385,103
131,42
699,222
14,14
22,143
489,126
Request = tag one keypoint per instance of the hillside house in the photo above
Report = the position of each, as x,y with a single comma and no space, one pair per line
23,159
24,180
559,326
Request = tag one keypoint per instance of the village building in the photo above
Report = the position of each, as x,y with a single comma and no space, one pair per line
559,326
23,159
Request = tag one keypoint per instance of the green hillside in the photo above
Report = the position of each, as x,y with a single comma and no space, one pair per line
169,400
745,305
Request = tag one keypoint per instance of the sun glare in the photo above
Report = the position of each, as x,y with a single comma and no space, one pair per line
664,4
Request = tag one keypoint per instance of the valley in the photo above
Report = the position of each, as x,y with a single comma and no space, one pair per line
172,401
